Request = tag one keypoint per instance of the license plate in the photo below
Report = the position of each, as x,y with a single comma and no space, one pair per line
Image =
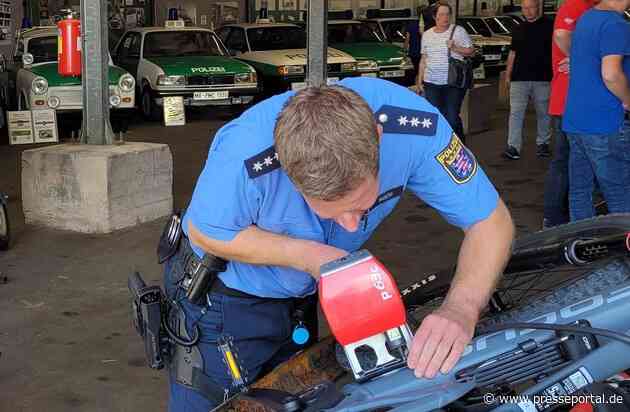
220,95
492,57
301,85
393,73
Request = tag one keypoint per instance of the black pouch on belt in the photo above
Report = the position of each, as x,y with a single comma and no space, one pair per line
170,238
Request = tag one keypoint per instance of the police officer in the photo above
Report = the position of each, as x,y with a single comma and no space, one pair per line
304,178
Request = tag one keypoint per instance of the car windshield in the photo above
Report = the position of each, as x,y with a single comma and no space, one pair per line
352,33
395,29
476,26
510,22
43,49
181,43
501,25
276,38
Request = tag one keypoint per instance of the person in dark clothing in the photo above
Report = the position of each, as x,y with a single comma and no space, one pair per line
412,44
528,74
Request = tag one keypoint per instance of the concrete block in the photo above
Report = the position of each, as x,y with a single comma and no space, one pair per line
97,189
477,107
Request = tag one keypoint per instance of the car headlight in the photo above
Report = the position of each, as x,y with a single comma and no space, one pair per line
164,80
54,102
114,100
245,78
126,83
348,67
406,62
365,65
288,70
39,85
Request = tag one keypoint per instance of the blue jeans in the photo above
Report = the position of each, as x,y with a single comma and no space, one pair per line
261,330
556,209
605,158
448,100
520,92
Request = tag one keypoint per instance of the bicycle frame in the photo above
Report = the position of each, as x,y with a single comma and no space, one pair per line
400,389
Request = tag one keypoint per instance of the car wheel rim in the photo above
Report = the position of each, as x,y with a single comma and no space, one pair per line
3,222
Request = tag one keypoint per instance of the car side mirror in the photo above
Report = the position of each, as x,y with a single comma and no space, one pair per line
27,59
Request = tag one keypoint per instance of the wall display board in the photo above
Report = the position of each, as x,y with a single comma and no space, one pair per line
20,127
45,126
174,112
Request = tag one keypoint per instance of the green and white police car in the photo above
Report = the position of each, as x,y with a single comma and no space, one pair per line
391,24
278,52
34,82
184,61
375,56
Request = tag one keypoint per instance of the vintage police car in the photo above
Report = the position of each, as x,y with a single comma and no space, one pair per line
184,61
278,52
391,24
375,56
34,82
495,50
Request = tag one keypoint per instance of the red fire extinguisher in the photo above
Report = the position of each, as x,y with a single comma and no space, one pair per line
69,46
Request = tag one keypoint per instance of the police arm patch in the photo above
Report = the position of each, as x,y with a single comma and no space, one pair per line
457,160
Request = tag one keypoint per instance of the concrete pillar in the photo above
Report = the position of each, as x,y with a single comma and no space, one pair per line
97,188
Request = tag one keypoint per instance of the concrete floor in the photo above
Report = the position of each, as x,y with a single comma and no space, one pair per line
65,330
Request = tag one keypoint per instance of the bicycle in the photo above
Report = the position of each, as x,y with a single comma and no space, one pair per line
541,337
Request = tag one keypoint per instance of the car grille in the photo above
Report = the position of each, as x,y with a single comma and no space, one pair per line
492,49
210,80
334,68
68,97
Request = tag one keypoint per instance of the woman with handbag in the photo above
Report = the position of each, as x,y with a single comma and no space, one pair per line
445,72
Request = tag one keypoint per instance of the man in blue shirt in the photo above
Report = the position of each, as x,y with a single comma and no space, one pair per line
594,116
302,179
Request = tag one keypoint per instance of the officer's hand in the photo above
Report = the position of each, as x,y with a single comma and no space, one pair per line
440,341
320,254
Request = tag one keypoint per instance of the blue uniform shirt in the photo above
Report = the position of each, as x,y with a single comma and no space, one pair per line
242,183
591,108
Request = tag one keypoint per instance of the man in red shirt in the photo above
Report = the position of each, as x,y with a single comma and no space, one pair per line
556,211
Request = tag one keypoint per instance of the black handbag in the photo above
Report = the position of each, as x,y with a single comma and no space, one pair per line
460,72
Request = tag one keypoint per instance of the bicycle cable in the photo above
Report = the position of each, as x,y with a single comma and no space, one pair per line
564,328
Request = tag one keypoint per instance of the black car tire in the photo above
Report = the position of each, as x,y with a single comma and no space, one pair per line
149,109
5,230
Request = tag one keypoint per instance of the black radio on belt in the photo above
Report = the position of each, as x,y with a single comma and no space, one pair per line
200,276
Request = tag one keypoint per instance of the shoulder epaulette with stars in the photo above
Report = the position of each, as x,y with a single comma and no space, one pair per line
401,120
262,163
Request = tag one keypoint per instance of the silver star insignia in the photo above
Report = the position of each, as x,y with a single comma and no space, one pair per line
426,123
415,121
402,120
258,167
268,161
